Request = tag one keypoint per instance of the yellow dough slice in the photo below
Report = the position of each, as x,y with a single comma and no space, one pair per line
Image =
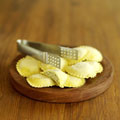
81,56
92,54
27,66
74,82
39,81
58,76
45,67
86,69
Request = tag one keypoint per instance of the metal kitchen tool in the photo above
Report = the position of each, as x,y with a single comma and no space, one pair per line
65,52
45,57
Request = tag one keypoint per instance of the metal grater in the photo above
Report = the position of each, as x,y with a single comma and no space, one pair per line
65,52
45,57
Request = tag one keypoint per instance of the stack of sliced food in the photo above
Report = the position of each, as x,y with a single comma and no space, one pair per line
73,73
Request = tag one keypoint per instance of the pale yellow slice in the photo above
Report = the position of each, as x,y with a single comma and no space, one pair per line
45,67
86,69
92,53
74,82
39,81
27,66
58,76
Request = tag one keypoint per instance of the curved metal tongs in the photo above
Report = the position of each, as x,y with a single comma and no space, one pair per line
47,53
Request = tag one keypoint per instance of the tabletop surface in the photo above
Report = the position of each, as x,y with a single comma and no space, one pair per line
68,22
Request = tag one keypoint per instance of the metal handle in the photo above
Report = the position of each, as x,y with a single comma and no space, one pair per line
31,51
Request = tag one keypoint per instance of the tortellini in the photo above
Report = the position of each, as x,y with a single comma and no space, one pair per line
86,69
39,80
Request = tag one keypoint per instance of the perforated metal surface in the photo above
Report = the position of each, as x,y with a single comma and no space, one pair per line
69,53
53,60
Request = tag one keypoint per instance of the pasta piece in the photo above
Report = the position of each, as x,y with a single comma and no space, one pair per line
86,53
39,81
58,76
98,67
85,69
74,82
92,54
27,66
45,67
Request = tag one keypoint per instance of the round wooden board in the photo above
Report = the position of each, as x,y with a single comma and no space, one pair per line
91,89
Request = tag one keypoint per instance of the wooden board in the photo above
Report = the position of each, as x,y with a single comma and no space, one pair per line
91,89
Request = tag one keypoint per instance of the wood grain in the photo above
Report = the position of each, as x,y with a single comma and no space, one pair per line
68,22
92,88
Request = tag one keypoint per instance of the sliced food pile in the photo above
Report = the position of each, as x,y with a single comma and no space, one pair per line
73,73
